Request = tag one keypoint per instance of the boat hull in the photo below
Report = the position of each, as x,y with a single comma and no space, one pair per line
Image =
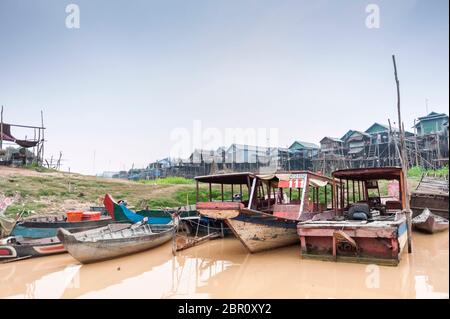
429,223
34,248
382,244
44,229
98,250
437,204
260,232
257,231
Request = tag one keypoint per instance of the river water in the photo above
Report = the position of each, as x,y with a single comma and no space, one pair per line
223,269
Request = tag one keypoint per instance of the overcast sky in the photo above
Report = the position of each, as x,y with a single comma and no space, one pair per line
135,71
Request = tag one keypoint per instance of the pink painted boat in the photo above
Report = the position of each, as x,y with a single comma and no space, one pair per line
365,228
266,216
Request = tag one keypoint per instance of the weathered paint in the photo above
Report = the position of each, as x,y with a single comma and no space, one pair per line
381,245
219,210
258,237
43,229
33,232
50,249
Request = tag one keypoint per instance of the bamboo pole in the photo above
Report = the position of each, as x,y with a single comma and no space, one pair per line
403,159
415,143
1,128
43,138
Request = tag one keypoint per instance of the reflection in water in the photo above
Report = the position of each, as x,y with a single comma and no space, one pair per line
223,269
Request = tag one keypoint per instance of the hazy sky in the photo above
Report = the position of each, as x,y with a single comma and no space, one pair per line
136,70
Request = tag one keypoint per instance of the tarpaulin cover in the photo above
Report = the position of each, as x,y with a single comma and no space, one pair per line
7,136
26,144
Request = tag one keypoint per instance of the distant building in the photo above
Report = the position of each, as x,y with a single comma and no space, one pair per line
331,145
108,174
431,124
356,143
304,149
347,135
200,156
240,153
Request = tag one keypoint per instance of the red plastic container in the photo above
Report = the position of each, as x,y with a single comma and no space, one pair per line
91,215
74,216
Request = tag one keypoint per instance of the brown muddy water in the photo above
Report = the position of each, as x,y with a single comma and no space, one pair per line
223,269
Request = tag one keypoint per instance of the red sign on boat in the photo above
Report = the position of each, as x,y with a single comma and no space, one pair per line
295,181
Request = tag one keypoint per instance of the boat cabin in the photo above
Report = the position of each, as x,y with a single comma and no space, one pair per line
367,227
295,195
362,186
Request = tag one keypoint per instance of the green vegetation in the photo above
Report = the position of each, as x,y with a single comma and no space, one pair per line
56,192
172,180
38,168
417,171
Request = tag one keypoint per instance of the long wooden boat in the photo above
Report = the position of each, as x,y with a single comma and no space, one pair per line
431,193
121,213
364,228
429,223
107,245
190,220
47,226
17,247
276,203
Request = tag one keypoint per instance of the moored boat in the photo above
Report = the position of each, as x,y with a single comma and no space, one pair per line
121,213
47,226
431,193
190,220
366,227
429,223
15,248
268,216
18,247
99,246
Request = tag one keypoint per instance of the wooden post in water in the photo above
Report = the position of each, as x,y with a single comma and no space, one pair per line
403,159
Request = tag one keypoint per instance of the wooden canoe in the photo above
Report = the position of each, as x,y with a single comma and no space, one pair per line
17,247
107,245
429,223
47,226
431,193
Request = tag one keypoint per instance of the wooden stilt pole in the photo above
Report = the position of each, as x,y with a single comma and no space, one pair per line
1,128
43,138
403,159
